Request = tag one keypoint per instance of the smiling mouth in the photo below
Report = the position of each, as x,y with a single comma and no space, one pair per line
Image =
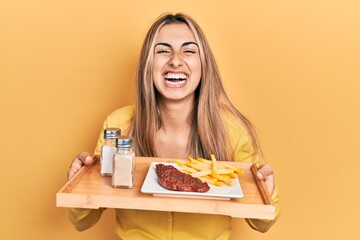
175,79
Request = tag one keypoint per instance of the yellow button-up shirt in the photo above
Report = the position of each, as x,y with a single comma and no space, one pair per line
134,224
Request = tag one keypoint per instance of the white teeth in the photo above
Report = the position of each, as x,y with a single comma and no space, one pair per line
175,83
175,76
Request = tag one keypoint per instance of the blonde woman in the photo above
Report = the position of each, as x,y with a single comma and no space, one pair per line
181,109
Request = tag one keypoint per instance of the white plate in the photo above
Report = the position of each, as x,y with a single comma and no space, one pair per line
152,186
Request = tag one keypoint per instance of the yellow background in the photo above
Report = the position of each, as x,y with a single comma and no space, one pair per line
293,67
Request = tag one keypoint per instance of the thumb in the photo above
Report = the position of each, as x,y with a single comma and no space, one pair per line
85,158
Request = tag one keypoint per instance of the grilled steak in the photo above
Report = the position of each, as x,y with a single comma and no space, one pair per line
172,179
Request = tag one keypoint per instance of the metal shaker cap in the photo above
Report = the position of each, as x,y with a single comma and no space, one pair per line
124,142
112,133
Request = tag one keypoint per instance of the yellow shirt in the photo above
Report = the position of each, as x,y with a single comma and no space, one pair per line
140,224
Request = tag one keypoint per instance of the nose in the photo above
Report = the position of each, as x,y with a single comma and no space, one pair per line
176,60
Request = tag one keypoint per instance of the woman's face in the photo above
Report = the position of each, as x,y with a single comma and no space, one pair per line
176,63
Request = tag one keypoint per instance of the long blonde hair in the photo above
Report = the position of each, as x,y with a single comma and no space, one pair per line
208,134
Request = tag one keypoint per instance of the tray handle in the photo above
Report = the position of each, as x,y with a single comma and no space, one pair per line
261,186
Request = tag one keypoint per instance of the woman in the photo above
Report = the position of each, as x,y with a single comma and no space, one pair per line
181,109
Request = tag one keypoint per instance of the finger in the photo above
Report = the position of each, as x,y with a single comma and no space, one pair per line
269,183
74,167
264,172
85,158
71,173
80,160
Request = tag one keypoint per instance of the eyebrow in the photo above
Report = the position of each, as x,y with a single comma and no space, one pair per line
182,45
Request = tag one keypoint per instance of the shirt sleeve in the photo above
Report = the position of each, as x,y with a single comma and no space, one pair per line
83,218
263,225
120,118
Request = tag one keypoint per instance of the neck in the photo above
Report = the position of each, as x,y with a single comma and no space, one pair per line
175,114
172,139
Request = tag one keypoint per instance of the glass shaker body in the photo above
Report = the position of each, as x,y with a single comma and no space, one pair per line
108,150
123,163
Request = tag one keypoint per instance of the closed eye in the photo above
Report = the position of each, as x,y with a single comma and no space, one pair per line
162,51
189,51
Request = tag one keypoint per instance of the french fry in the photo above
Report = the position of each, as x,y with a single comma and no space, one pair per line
196,166
232,175
214,165
211,180
199,164
205,161
224,171
211,171
235,168
202,173
186,168
228,180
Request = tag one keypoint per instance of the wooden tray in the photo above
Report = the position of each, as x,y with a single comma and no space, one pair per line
88,189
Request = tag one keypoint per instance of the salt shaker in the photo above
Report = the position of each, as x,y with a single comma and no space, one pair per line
108,150
124,163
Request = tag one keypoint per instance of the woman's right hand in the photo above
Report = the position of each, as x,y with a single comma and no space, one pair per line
80,160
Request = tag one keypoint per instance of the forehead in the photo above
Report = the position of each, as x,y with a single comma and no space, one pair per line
175,32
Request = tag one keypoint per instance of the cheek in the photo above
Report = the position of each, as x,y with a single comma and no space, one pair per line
156,69
196,67
157,73
157,66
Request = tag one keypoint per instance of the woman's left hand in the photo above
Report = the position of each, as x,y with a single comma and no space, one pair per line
265,173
